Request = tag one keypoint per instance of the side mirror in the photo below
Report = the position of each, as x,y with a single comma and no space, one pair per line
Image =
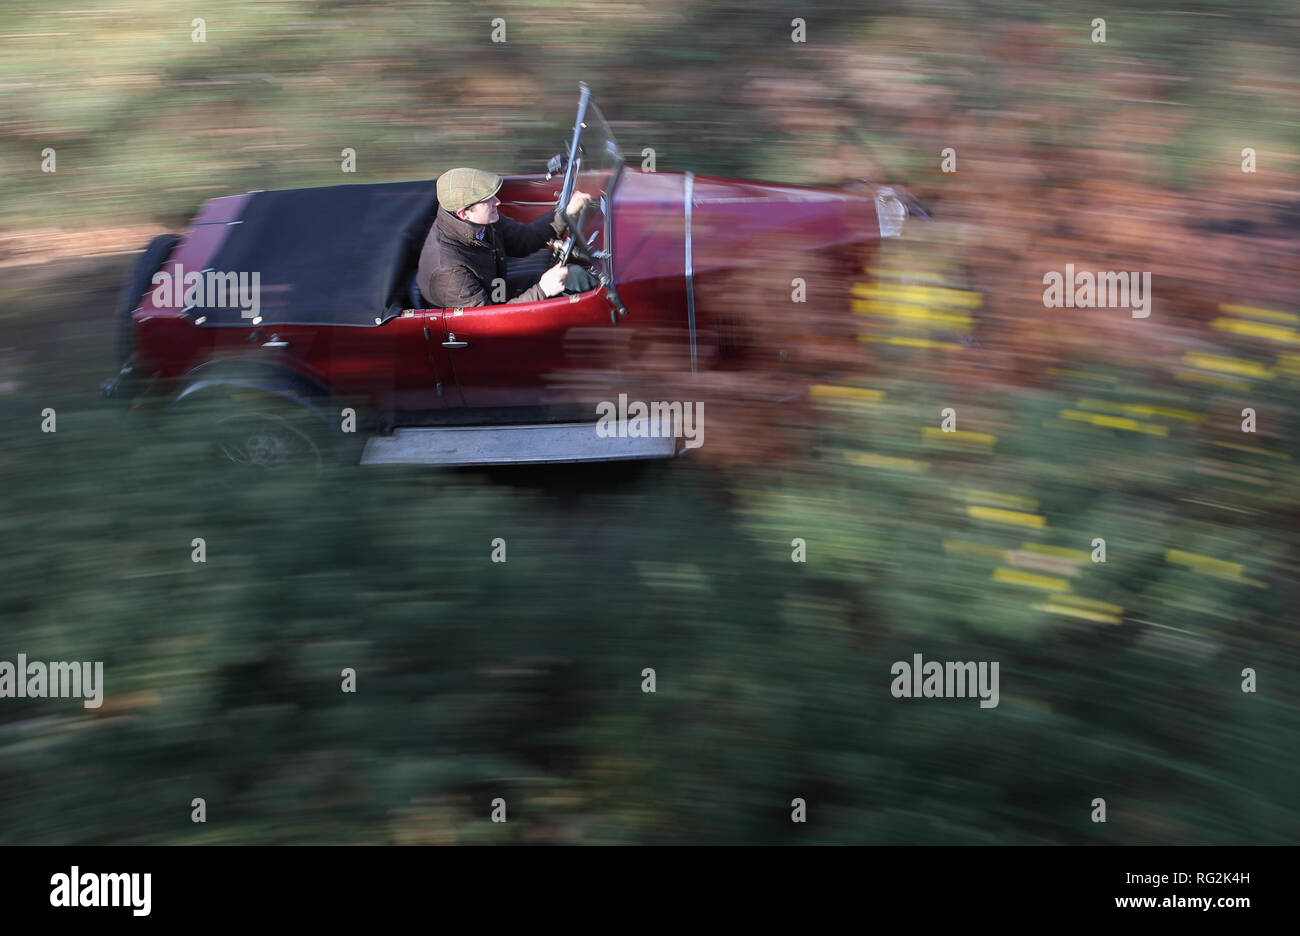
554,165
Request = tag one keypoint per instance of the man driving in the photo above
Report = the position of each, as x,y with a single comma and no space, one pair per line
469,241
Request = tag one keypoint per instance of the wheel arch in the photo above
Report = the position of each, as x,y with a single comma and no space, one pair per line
216,378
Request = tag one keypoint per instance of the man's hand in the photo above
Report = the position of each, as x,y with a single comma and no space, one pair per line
554,280
577,203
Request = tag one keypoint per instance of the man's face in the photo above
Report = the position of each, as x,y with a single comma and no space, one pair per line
484,212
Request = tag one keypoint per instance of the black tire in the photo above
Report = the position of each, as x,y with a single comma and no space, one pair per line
136,285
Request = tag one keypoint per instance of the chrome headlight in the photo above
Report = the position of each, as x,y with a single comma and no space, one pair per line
890,212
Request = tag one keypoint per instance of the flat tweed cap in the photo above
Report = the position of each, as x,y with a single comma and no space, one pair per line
460,188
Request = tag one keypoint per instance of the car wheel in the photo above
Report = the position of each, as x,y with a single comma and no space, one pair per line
266,441
136,285
259,439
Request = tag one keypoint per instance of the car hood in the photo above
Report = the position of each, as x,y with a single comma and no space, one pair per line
733,222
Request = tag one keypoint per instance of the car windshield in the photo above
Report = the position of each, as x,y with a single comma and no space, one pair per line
595,162
602,156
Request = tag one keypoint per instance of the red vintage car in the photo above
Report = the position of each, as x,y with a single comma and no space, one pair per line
303,303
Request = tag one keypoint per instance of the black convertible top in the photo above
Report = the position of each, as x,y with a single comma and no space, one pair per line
341,255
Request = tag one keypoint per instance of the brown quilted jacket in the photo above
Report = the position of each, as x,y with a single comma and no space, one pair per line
460,260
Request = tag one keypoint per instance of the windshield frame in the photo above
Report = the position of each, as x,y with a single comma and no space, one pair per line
588,111
571,165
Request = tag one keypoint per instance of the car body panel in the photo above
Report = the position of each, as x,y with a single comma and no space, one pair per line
515,348
514,352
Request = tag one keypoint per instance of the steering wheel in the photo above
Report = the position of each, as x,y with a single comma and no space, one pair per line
573,244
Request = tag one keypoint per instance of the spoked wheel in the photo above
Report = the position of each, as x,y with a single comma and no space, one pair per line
266,442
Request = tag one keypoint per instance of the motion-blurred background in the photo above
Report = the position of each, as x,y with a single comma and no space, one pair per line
523,679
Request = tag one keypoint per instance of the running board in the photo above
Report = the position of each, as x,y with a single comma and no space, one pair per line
509,445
